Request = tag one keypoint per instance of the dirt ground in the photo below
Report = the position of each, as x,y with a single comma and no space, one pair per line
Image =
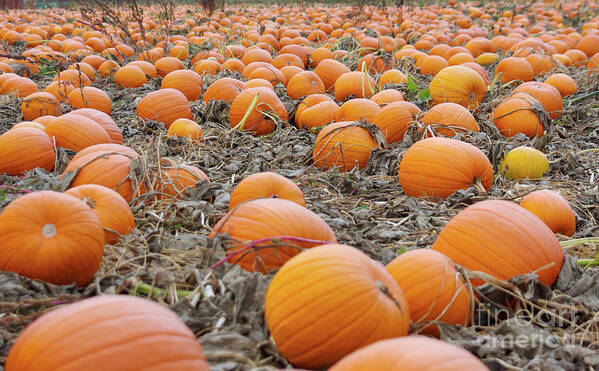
170,250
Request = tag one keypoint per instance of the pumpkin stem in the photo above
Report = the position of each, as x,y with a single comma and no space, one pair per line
89,202
49,230
579,241
479,187
247,113
385,290
587,262
497,78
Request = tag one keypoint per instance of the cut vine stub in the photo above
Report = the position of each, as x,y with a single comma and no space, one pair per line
49,230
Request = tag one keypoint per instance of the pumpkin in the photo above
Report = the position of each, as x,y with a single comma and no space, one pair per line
390,78
176,181
552,209
290,71
90,97
384,97
60,90
185,128
112,210
563,83
376,63
304,83
257,105
128,332
357,109
589,44
343,145
329,301
114,132
76,132
146,67
87,69
540,63
256,55
287,59
549,97
75,77
486,59
319,115
503,240
310,101
108,165
514,69
329,71
165,65
28,124
357,84
130,76
107,68
225,89
51,236
393,120
24,149
269,217
447,118
410,353
432,64
434,289
524,162
478,69
518,114
458,84
164,105
19,86
186,81
451,165
40,104
234,65
259,83
266,185
270,74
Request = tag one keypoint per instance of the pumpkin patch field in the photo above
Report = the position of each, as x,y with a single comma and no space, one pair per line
260,186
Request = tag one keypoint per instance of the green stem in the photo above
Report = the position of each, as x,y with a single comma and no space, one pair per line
583,97
579,241
145,289
587,262
247,113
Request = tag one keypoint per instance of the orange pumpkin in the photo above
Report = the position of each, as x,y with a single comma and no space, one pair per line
133,333
318,115
112,210
414,353
393,120
60,90
18,86
164,105
547,95
104,120
130,76
384,97
165,65
146,67
24,149
357,303
513,69
76,78
185,128
517,115
64,240
90,97
447,118
176,181
269,217
225,88
357,109
458,84
186,81
563,83
107,68
343,145
40,104
432,64
552,209
266,185
392,77
355,84
270,74
256,105
435,291
76,132
304,83
451,165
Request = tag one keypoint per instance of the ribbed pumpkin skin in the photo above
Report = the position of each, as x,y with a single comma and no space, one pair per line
502,239
130,76
165,65
321,114
552,209
19,86
458,84
270,217
437,167
411,353
387,96
91,97
164,105
76,132
114,132
516,115
342,145
329,71
40,104
356,110
393,120
304,83
431,285
225,89
310,101
257,123
23,149
524,162
126,332
353,83
185,128
547,95
108,165
266,185
70,253
60,90
176,181
563,83
186,81
514,68
329,301
112,210
450,114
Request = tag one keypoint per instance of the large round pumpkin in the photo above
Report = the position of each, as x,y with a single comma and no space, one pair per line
393,120
458,84
343,145
90,97
25,148
114,132
164,105
124,332
76,132
437,167
502,239
411,353
435,291
552,209
112,210
51,236
265,218
329,301
266,185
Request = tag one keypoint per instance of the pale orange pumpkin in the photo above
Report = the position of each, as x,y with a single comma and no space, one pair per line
552,209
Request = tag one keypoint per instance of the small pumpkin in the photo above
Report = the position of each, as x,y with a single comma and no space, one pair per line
449,118
458,84
24,149
90,97
390,78
165,65
518,114
130,76
18,86
269,217
129,332
186,81
64,240
40,104
176,181
225,88
343,145
357,84
357,109
393,120
524,162
112,210
502,239
451,165
563,83
164,105
266,185
329,70
384,97
304,83
60,90
549,97
513,69
329,301
321,114
75,77
552,209
185,128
